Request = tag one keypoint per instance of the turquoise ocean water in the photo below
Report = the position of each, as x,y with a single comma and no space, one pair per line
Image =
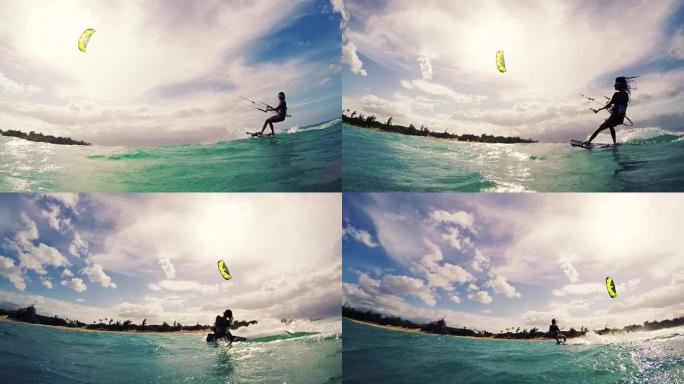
40,354
306,159
646,160
374,355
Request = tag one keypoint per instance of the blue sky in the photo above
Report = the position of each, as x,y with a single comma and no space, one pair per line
136,256
165,73
499,260
433,63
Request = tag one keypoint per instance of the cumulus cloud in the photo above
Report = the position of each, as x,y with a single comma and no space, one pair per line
46,283
453,237
351,58
97,275
480,296
461,218
440,274
501,286
78,246
12,273
405,285
480,261
350,55
76,284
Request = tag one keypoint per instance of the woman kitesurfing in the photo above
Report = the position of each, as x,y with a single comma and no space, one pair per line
617,106
281,113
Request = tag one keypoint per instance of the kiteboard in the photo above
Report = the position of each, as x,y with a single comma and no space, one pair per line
258,134
580,143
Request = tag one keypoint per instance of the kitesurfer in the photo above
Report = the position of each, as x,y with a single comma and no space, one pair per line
617,107
555,332
222,327
281,112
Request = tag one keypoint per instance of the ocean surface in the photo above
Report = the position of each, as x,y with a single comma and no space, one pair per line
302,160
302,352
375,355
645,160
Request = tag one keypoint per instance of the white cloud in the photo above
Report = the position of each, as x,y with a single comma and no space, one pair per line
167,267
97,275
425,67
46,283
453,237
455,299
580,289
53,216
38,257
368,282
76,284
350,57
338,6
11,86
360,235
480,261
569,271
480,296
501,286
12,273
439,274
67,273
78,246
408,286
184,286
441,90
461,218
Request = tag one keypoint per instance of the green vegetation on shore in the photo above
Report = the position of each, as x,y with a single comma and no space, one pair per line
39,137
29,315
362,121
440,327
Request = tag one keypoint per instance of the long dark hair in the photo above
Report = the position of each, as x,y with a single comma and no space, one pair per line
624,83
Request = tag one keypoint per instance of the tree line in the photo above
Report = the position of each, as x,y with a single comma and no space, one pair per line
29,315
371,121
39,137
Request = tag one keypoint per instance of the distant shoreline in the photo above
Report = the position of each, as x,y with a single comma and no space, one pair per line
41,138
5,318
418,331
370,123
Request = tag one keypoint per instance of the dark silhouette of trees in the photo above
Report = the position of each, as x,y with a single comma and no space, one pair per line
39,137
29,315
371,122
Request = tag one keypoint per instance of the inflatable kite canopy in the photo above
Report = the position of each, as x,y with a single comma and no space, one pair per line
610,286
500,61
84,39
223,270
